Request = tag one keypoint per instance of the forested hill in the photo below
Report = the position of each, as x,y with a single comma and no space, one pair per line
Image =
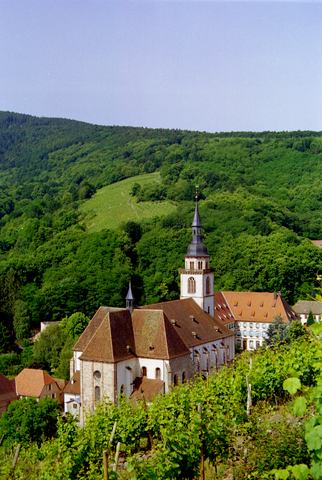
261,200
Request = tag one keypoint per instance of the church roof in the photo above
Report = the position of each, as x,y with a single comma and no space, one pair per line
91,328
154,335
261,307
73,386
113,339
193,325
146,388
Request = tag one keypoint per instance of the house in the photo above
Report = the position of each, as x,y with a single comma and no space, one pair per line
249,315
72,395
304,307
143,351
7,393
34,383
317,243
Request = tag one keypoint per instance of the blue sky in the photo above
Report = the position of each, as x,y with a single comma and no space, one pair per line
198,65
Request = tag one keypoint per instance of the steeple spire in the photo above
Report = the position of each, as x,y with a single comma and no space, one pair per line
196,247
129,299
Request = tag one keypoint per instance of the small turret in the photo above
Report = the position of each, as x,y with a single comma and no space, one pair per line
129,299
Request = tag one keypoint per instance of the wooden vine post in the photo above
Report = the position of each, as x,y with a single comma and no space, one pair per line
106,452
202,455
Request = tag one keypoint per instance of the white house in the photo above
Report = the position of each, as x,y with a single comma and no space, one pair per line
249,315
303,308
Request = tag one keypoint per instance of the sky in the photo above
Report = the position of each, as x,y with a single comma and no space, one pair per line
187,64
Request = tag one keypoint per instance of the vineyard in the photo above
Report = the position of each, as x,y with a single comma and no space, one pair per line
210,428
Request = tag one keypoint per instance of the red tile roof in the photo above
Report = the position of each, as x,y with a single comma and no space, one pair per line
147,388
93,325
155,336
30,382
73,386
192,324
113,339
261,307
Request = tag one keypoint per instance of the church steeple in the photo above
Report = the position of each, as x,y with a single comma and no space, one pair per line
129,299
197,278
196,246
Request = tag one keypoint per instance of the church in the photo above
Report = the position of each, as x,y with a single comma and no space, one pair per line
140,352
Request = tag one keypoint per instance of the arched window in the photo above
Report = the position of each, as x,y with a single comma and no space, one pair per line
191,285
207,285
158,373
97,394
175,379
97,374
144,372
183,378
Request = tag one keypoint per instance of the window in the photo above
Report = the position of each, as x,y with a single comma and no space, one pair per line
121,389
207,285
49,387
53,395
75,405
144,372
183,378
192,265
97,394
199,265
191,285
97,374
175,379
158,373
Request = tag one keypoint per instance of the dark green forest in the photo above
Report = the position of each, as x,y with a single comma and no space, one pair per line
261,203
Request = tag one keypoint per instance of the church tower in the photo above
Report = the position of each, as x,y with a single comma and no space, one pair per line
197,278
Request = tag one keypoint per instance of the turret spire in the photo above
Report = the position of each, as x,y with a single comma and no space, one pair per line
129,298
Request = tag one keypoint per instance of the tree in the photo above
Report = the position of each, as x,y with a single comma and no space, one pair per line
5,338
48,347
310,319
28,420
21,320
277,332
74,325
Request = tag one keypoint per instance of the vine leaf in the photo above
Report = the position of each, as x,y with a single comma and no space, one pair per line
300,472
299,406
292,385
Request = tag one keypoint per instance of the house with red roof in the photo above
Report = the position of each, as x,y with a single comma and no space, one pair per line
35,383
249,315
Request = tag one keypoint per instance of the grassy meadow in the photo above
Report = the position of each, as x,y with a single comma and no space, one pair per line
112,205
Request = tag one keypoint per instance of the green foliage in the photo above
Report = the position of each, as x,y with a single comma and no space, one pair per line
21,320
310,319
203,414
28,420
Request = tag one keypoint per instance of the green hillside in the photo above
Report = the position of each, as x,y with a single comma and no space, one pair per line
113,205
65,245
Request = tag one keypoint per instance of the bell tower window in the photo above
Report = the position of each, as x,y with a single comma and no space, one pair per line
207,285
191,285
